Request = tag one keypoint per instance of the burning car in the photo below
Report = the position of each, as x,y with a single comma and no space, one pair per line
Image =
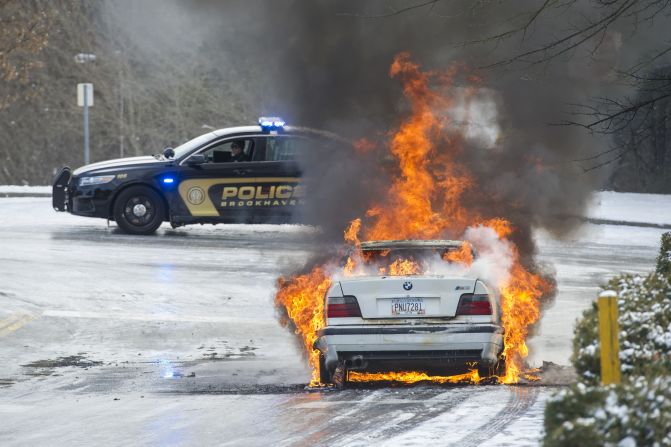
436,323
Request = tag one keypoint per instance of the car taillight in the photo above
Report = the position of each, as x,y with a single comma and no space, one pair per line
342,306
474,304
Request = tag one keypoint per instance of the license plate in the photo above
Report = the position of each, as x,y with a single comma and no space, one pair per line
407,306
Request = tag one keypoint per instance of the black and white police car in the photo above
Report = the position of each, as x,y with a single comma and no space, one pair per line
438,324
204,180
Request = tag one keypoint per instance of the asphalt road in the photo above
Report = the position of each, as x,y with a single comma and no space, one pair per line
172,339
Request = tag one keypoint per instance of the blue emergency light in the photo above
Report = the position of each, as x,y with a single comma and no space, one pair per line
268,123
168,180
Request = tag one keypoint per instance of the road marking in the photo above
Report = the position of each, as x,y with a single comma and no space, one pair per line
14,322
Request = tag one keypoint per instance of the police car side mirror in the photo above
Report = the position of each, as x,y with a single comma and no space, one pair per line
168,152
195,160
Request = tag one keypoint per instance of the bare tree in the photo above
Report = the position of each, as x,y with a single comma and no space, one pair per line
535,35
23,34
146,96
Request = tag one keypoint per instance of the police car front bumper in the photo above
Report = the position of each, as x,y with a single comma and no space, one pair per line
59,190
89,201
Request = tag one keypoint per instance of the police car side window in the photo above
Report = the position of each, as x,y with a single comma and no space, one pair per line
285,148
224,152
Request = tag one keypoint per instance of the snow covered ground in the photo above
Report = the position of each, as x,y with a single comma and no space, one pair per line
21,190
630,207
181,329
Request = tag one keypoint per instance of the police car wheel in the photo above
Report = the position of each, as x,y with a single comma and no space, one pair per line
139,210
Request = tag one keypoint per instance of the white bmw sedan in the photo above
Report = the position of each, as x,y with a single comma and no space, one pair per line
439,324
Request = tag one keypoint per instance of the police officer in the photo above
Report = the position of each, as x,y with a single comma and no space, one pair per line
238,151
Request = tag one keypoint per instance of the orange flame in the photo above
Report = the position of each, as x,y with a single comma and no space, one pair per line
413,377
425,201
463,256
302,296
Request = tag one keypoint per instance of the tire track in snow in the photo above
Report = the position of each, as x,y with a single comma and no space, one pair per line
341,420
521,399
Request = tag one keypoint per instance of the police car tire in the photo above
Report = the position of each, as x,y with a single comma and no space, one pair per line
149,199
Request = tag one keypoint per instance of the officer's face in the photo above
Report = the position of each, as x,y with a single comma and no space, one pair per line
236,150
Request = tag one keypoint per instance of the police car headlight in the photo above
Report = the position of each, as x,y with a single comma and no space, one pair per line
98,180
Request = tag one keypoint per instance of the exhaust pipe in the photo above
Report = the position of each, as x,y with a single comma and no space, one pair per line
357,362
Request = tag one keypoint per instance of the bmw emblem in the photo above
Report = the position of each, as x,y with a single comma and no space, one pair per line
407,285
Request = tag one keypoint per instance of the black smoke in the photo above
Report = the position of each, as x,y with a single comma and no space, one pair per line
325,64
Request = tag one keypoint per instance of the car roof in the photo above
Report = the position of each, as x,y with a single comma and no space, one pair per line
293,130
410,244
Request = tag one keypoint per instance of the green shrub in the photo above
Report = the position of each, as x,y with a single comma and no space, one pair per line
664,258
637,412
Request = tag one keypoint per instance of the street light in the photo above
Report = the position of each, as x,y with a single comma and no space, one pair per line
82,58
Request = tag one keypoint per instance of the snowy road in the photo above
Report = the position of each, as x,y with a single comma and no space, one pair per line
173,340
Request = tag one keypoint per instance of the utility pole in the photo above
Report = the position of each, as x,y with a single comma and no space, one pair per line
85,100
119,55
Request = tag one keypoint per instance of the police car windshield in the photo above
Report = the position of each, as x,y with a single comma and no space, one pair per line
190,145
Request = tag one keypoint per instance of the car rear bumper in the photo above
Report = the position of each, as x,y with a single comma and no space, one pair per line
395,348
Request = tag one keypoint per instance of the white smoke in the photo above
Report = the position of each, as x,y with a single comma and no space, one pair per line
492,264
495,256
475,115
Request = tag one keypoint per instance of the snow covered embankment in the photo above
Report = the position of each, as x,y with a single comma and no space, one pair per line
24,191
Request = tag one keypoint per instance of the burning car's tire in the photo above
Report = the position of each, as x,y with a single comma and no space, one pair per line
336,377
492,371
339,377
325,376
139,210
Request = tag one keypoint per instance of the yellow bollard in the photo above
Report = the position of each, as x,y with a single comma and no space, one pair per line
609,331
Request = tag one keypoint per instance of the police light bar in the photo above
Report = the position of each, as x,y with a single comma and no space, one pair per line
271,122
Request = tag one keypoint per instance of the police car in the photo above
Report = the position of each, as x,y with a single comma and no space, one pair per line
439,324
239,174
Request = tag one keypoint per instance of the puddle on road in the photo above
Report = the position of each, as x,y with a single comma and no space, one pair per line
47,367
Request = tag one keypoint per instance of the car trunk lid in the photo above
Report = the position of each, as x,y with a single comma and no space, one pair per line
407,296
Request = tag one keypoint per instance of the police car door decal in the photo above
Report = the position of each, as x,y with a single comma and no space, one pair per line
212,197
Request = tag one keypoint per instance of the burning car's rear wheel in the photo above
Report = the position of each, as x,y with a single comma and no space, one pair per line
339,377
139,210
325,375
336,377
491,371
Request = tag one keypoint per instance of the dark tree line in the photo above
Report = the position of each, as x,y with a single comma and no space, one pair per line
161,78
147,96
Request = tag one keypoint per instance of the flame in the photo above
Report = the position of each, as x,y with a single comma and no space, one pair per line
302,296
413,377
426,175
520,308
425,201
402,267
463,256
